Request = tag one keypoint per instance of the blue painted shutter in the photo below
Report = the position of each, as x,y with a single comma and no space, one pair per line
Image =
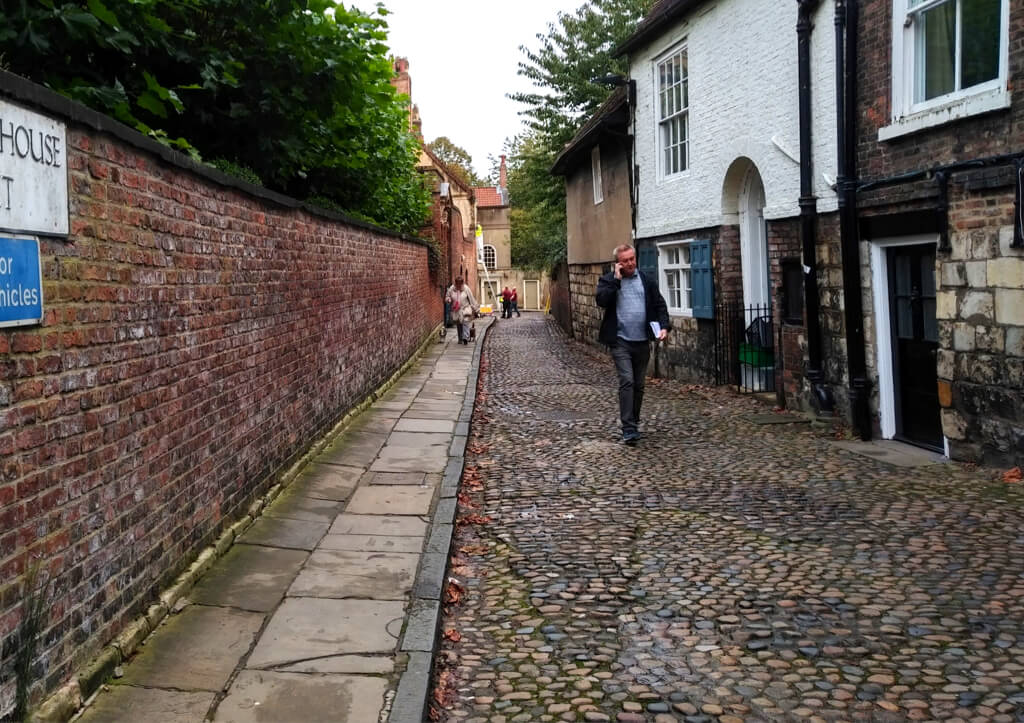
647,260
702,279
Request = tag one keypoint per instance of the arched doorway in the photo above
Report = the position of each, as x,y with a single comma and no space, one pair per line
753,241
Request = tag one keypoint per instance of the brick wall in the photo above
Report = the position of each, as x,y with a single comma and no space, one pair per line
980,280
197,337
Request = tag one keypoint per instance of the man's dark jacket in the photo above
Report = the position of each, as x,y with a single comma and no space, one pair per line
608,296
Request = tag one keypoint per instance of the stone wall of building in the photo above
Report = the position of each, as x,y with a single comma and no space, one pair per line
199,334
586,316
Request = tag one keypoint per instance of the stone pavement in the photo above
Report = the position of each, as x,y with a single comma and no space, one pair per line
326,609
726,569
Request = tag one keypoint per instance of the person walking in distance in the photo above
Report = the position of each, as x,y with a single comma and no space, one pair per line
463,307
514,301
506,303
634,314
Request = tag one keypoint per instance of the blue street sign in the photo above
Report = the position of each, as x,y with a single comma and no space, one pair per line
21,282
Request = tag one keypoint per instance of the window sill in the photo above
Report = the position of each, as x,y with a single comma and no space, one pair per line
954,110
685,314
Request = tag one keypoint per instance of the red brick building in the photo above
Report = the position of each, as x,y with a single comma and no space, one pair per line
938,162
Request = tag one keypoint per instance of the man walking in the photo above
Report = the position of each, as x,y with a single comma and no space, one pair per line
631,302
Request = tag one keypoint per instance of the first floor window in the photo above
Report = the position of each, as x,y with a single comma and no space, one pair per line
490,258
673,111
676,279
948,48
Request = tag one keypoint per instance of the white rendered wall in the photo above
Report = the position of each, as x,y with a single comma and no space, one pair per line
743,89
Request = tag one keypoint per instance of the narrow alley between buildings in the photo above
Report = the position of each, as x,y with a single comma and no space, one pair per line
728,568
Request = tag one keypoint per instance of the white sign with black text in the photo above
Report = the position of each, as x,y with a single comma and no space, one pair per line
33,172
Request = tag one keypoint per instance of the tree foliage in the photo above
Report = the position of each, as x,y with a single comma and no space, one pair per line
298,91
456,158
577,48
537,213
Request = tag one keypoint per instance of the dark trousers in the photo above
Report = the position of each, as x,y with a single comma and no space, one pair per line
515,308
631,359
506,309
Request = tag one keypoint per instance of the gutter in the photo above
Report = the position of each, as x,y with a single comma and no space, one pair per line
822,395
846,183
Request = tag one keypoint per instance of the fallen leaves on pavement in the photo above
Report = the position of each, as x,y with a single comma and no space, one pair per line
453,591
473,519
1012,476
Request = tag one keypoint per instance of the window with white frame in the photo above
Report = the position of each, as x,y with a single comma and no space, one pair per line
949,59
490,257
673,109
675,278
595,172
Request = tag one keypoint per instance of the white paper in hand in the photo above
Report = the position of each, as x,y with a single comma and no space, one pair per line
656,328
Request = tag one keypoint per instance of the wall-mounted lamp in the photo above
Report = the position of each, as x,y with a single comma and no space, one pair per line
610,79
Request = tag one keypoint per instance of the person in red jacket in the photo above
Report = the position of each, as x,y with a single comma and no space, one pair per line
513,303
506,303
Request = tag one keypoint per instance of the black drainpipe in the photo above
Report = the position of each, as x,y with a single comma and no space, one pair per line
809,212
846,184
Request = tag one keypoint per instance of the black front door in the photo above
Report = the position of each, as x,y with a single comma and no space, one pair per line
915,335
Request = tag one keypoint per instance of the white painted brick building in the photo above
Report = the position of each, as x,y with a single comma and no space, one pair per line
743,104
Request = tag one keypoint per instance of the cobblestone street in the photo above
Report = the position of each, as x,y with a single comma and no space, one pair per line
725,569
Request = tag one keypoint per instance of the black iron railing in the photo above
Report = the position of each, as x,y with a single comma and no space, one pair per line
745,347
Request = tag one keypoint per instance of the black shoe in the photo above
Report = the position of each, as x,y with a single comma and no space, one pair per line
631,440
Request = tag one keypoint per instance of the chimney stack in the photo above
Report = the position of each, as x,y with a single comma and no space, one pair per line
401,79
502,174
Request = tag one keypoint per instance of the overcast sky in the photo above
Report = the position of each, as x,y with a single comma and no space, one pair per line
463,56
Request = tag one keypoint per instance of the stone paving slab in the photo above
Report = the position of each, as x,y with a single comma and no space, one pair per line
280,532
353,450
130,704
294,504
425,425
308,628
391,406
262,696
258,696
197,649
372,421
372,543
398,478
415,441
369,524
423,413
355,664
356,574
411,459
328,482
451,406
402,500
249,577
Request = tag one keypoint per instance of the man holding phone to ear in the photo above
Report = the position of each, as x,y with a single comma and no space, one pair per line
631,302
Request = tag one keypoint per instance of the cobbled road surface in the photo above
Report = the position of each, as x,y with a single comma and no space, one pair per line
722,570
